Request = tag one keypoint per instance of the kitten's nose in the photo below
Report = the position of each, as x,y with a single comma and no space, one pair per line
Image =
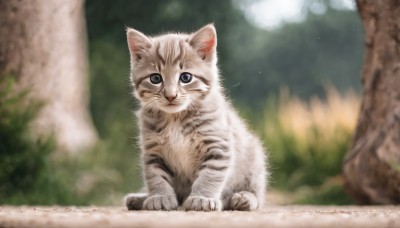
170,92
170,98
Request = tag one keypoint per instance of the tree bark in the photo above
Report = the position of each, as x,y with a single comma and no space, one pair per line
43,45
372,168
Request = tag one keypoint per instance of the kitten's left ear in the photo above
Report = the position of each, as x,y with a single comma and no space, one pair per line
204,41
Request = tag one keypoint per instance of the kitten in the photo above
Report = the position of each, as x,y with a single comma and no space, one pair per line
196,150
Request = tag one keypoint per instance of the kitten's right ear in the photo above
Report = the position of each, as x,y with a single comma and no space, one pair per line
138,43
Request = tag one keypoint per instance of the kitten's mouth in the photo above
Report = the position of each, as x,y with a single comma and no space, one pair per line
172,104
173,107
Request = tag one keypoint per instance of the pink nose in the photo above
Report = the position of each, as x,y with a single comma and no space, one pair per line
171,98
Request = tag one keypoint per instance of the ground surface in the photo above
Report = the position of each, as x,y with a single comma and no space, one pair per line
275,216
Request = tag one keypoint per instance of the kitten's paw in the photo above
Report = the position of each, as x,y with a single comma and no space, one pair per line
134,201
201,203
243,201
160,202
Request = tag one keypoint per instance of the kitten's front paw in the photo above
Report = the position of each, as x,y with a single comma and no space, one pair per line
201,203
243,201
160,202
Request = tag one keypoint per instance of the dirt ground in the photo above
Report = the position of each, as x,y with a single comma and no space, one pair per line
271,216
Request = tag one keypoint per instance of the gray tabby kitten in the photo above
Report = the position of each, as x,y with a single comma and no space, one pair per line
196,150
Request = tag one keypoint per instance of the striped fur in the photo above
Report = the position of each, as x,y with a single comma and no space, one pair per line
196,151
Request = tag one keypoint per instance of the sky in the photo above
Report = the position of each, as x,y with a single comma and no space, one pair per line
270,14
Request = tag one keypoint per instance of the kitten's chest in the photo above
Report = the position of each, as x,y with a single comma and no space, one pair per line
178,149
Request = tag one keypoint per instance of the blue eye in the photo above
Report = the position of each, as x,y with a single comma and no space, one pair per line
155,78
185,77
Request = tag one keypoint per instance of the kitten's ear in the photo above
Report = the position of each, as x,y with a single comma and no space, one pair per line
204,41
138,43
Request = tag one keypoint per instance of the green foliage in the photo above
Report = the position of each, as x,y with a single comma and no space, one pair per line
307,142
330,193
111,101
102,175
24,160
31,172
311,165
21,159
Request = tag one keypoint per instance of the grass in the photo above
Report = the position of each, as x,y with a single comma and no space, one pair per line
307,141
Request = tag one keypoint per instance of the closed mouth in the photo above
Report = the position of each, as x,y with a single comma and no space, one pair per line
173,107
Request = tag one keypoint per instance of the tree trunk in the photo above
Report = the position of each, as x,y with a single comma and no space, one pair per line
372,168
43,45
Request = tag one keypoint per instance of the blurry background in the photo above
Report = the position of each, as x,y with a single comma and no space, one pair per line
291,67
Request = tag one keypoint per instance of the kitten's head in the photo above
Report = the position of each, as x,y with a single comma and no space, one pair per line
173,72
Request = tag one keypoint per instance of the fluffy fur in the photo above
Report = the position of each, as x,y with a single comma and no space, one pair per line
196,151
